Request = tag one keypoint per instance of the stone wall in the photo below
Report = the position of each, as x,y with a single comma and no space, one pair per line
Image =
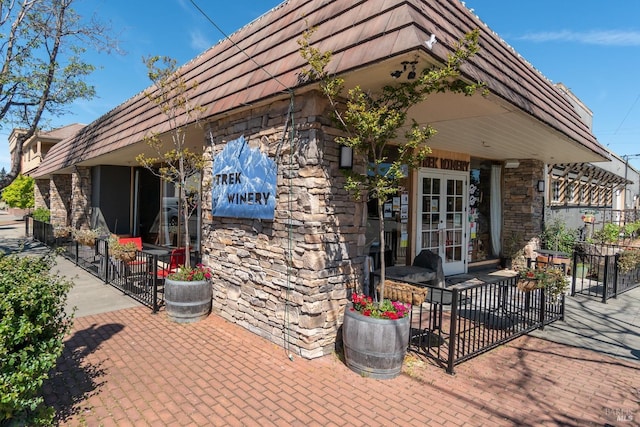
60,199
287,280
81,198
41,193
523,205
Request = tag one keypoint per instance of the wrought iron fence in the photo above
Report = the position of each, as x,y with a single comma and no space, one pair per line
137,278
597,272
462,321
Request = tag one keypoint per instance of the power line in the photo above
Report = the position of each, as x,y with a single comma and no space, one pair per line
627,115
238,47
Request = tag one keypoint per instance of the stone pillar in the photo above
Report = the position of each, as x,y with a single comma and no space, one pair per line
81,198
41,193
287,280
60,200
523,205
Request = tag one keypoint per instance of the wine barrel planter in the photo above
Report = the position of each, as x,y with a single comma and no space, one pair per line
187,302
374,347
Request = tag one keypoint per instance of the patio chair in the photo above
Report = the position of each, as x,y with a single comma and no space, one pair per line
176,259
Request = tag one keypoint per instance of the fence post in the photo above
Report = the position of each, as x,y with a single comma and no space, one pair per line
543,306
574,269
106,261
616,258
154,283
453,330
605,282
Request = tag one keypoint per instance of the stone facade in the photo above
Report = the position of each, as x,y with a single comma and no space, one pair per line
41,193
60,199
287,280
81,198
523,205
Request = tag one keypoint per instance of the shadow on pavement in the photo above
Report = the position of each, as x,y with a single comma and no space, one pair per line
74,379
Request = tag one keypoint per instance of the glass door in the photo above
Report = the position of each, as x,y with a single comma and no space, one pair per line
442,218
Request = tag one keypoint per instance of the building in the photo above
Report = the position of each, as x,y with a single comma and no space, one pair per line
585,195
285,275
36,148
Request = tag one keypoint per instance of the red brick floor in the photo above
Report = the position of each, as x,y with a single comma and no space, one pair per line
132,368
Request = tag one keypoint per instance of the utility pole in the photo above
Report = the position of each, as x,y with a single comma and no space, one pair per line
626,158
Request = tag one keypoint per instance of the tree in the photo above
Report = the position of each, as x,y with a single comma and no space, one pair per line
372,120
42,71
178,165
19,194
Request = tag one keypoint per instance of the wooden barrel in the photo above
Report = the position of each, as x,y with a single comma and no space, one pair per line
187,302
374,347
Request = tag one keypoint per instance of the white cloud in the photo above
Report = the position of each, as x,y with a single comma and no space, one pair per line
602,38
199,41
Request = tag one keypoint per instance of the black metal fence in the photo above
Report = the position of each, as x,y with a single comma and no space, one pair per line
597,272
137,278
462,321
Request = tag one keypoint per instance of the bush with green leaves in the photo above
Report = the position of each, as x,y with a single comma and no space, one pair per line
41,214
630,229
19,194
610,233
556,236
33,324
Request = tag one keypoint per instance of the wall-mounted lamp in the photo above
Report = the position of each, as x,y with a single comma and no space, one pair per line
511,164
346,157
541,186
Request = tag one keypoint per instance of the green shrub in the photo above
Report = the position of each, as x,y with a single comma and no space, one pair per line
610,233
41,214
557,236
631,229
19,194
32,326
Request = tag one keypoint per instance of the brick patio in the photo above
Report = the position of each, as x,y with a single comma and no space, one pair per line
129,367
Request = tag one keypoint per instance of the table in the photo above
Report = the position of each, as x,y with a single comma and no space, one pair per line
555,258
154,251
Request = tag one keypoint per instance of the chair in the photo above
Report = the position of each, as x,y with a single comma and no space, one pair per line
432,261
138,242
176,260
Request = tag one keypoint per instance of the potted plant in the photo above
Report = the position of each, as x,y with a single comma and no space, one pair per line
188,294
85,236
552,279
371,123
363,322
125,252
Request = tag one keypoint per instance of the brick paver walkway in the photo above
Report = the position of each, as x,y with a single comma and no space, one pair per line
132,368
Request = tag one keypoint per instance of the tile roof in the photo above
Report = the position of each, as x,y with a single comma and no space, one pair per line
359,34
63,132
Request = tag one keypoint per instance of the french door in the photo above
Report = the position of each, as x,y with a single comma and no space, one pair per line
442,217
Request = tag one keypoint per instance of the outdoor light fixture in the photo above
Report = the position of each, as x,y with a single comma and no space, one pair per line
511,164
432,40
406,64
346,157
541,186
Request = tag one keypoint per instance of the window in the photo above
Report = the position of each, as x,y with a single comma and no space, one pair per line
569,192
555,191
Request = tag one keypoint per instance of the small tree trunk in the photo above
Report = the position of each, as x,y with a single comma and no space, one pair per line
382,247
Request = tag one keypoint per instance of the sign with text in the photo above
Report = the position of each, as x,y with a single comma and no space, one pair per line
244,182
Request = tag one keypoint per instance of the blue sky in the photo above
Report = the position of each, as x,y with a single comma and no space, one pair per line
591,46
